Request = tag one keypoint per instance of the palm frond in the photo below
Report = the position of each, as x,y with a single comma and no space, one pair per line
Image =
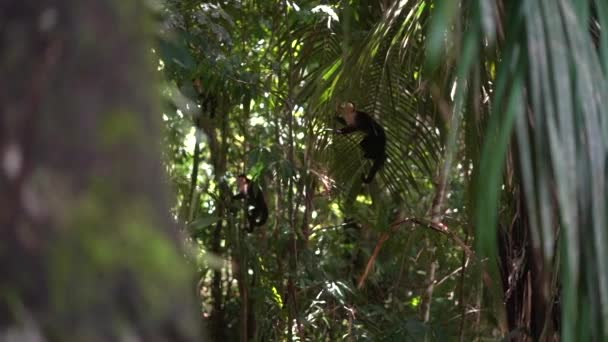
377,79
554,88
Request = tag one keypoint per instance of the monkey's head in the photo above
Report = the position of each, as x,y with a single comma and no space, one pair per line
348,112
242,182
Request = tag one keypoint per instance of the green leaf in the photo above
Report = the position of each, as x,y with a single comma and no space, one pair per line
203,222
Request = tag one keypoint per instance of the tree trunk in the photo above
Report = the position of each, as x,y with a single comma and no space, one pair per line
88,251
218,158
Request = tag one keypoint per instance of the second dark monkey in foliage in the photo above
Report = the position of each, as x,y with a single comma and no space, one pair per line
374,142
257,211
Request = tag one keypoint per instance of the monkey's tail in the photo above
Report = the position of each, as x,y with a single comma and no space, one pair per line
378,163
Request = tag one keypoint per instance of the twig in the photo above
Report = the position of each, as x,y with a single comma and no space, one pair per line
461,268
439,227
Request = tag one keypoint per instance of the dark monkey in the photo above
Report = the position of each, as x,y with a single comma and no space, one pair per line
257,211
374,142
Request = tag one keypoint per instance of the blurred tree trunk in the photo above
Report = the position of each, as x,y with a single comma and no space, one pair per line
88,251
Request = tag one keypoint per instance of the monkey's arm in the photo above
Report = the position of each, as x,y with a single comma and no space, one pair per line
238,196
346,130
340,120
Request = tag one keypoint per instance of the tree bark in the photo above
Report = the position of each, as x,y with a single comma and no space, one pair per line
88,251
218,147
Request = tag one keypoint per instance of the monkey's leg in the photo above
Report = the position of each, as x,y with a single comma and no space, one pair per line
367,147
378,162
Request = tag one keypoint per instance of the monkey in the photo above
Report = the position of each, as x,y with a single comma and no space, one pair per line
257,211
373,143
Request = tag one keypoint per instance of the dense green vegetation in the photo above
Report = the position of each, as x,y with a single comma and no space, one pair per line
487,222
252,87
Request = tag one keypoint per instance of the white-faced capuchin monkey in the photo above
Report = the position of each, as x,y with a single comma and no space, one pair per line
257,211
374,142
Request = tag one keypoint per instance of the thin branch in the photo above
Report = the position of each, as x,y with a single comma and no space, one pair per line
461,268
439,227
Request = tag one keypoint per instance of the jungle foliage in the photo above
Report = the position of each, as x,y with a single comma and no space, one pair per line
488,219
